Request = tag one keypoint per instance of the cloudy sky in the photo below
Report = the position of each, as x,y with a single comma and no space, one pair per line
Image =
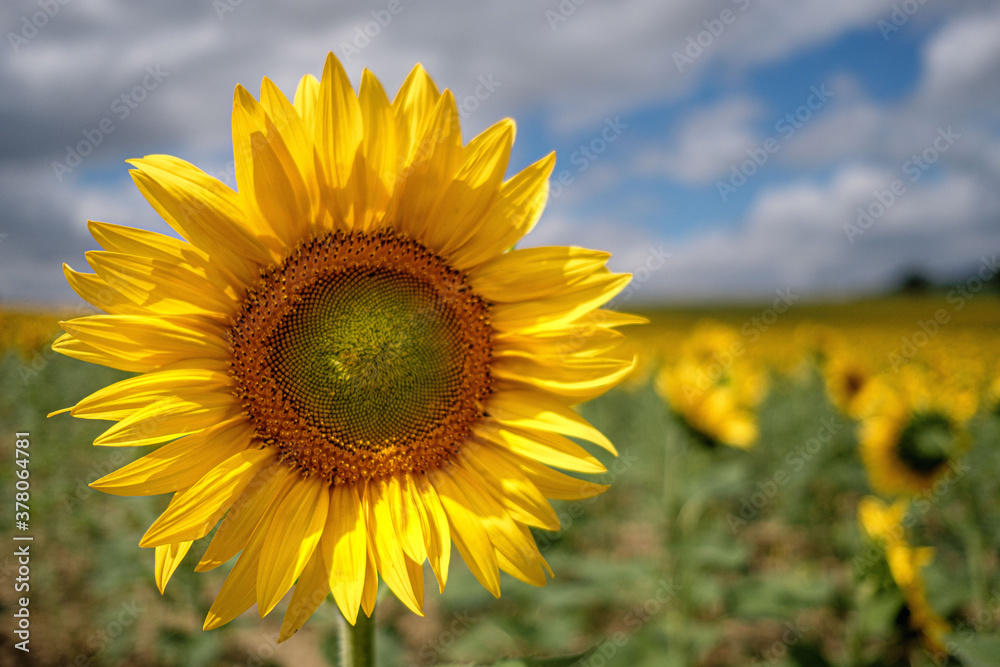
721,149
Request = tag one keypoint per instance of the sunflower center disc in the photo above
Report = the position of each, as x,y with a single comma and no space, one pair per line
363,355
371,354
926,443
854,382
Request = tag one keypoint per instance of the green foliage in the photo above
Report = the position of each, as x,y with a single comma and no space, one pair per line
696,555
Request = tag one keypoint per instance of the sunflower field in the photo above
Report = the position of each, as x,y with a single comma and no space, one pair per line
796,485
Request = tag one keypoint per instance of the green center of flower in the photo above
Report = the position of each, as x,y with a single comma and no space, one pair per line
374,355
927,442
363,355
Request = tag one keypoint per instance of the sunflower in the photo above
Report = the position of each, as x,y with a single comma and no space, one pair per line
914,431
846,378
344,360
819,341
712,388
884,525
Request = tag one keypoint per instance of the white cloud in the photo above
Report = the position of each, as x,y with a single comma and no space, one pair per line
788,26
707,143
605,59
845,130
961,79
964,59
794,237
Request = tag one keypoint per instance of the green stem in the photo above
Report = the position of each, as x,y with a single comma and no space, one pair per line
357,642
674,472
975,550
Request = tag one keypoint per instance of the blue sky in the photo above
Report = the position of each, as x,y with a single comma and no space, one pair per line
884,73
744,138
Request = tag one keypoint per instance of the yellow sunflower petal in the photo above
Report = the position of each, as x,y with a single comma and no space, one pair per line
554,484
516,558
509,486
267,174
344,545
612,318
376,174
297,135
512,549
168,557
467,530
535,273
119,400
514,213
390,558
370,594
309,594
307,101
172,417
406,517
581,379
437,538
177,465
193,513
161,287
338,132
294,533
548,448
431,164
95,291
528,564
152,341
72,347
413,106
570,343
161,248
142,243
463,205
561,309
536,411
204,211
245,516
238,591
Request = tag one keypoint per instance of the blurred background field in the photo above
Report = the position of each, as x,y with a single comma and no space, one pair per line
802,481
711,548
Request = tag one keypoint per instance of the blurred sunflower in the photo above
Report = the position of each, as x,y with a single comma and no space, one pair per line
846,378
346,355
29,333
914,430
884,524
712,388
819,341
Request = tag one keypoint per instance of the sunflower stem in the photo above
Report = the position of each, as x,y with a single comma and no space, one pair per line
357,642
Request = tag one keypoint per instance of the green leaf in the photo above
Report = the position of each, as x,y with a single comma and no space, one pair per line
878,615
807,655
781,595
559,661
976,650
